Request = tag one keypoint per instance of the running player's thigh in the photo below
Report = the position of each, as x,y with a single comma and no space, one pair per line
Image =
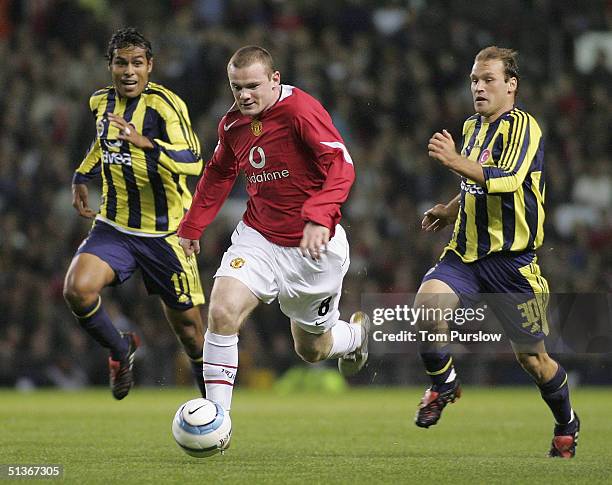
518,295
88,273
251,260
310,290
436,293
167,272
103,258
449,283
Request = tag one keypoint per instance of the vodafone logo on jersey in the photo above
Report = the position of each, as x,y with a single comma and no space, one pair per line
257,159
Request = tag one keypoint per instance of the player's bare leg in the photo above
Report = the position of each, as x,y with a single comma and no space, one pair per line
231,302
187,326
551,379
445,388
311,347
85,279
344,341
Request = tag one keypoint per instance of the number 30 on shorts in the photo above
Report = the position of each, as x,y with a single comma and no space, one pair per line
324,306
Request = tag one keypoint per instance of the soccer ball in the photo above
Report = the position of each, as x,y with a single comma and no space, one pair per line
202,428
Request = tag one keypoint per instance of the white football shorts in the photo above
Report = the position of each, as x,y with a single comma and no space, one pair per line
308,291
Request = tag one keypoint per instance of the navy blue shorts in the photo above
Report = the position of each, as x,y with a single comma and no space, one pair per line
510,283
166,270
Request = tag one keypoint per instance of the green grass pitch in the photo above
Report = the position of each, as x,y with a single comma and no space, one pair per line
365,435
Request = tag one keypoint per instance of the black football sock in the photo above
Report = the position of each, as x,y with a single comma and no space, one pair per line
556,394
96,322
440,368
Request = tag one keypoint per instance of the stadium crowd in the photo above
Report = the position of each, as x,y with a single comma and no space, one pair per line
390,73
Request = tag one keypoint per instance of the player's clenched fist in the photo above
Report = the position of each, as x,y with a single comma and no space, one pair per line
442,147
190,246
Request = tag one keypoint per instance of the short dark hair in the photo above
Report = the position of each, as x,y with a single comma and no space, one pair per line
250,54
126,37
509,58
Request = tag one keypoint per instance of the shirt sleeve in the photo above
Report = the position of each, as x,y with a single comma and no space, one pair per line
213,188
520,147
315,128
180,152
91,166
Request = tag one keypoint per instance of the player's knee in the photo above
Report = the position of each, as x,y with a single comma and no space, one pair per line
78,293
432,302
426,319
223,318
430,308
428,325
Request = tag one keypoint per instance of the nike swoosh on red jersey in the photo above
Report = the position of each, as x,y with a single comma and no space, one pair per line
227,127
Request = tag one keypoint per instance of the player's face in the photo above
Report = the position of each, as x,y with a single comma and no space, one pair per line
130,71
254,89
493,94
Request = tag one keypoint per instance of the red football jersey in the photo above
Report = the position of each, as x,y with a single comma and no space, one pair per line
296,165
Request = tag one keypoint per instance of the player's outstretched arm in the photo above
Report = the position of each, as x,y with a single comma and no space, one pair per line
314,240
190,246
440,215
80,200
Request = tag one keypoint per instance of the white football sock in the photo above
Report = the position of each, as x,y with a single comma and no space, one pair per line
346,338
220,367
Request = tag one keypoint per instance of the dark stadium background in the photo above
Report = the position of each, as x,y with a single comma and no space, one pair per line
390,73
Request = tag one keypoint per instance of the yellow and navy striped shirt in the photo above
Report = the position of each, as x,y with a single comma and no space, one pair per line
507,214
144,191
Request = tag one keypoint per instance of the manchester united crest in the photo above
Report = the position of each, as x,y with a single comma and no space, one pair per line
256,127
237,263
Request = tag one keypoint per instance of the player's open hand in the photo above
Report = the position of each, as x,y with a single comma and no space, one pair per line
436,218
128,132
314,241
442,147
190,246
80,200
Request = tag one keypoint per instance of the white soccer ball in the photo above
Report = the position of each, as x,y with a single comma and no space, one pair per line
202,428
